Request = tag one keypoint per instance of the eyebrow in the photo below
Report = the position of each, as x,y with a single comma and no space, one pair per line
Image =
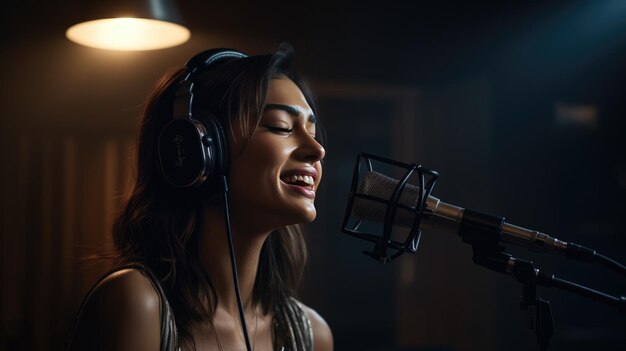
292,110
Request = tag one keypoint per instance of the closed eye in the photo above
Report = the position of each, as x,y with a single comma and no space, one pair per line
279,129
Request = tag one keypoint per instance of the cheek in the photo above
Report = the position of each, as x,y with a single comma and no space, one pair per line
259,163
261,156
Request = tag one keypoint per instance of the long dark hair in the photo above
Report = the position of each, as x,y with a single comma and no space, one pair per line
159,225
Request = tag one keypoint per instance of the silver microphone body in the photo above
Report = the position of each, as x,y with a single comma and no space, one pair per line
438,214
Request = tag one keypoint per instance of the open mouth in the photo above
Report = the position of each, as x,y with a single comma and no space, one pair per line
301,180
303,184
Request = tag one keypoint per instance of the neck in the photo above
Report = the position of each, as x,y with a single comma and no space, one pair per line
215,259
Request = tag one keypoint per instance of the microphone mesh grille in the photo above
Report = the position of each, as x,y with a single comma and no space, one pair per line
382,187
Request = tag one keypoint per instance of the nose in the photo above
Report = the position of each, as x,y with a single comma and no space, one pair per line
310,150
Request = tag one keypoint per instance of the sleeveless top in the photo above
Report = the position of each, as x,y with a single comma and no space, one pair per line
291,327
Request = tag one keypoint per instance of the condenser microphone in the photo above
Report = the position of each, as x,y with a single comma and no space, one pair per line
445,217
407,202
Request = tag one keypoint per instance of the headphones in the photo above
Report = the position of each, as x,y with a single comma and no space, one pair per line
192,147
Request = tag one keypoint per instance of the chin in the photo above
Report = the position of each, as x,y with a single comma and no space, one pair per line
310,214
311,217
304,217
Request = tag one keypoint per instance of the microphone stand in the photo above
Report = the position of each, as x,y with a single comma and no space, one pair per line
541,322
538,309
483,232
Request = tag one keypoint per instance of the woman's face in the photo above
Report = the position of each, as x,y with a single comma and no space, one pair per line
273,179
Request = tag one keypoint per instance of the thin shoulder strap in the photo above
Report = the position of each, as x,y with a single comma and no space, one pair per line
169,332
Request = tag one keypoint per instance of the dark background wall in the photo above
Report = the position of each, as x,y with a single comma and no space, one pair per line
480,92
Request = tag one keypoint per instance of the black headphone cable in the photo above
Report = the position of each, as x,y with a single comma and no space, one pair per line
233,263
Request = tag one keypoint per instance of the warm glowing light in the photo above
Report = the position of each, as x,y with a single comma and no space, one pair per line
128,34
584,115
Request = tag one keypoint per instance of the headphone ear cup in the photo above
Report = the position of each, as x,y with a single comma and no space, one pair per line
193,152
215,140
185,160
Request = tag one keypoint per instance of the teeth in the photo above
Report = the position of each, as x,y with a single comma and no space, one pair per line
300,178
308,180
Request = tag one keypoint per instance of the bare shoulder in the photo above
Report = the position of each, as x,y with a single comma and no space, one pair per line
122,313
322,335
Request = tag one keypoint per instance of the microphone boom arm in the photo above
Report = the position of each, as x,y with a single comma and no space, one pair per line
483,232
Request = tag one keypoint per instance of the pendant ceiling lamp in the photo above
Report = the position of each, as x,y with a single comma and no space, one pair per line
129,25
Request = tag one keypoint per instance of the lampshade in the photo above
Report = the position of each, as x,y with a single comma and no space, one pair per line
130,26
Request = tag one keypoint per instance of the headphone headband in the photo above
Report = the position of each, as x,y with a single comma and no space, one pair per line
183,103
208,58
